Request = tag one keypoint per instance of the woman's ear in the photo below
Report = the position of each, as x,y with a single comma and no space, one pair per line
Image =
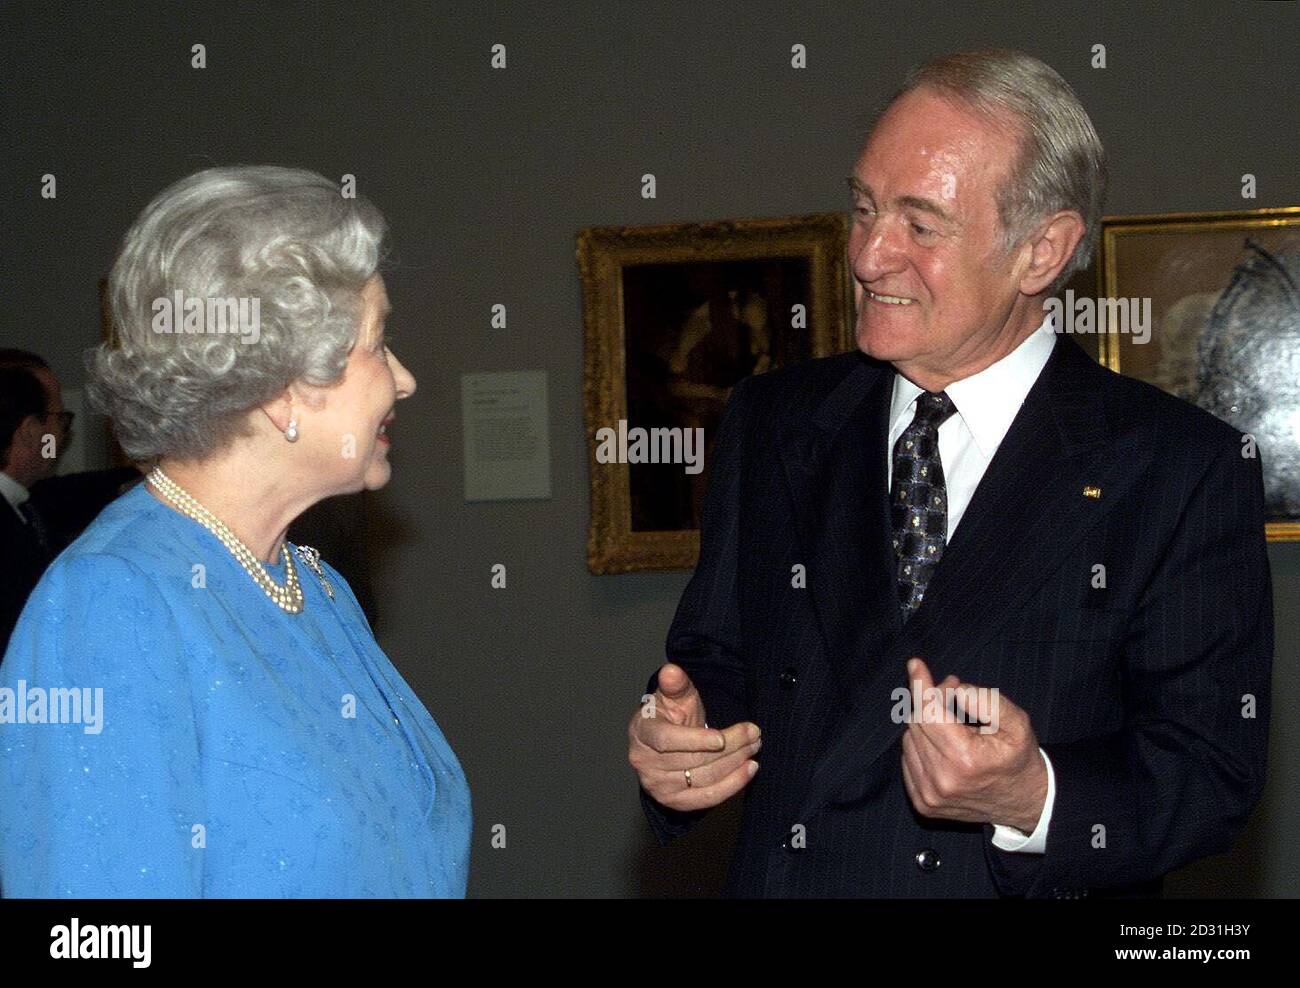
280,411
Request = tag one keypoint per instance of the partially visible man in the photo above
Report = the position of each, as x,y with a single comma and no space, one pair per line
970,501
31,424
49,511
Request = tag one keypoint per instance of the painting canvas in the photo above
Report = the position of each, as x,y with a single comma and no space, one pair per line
675,316
1224,327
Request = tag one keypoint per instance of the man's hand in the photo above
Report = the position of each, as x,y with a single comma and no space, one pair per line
668,737
955,772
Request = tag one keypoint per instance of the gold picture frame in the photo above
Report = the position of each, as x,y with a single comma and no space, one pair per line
688,310
1192,266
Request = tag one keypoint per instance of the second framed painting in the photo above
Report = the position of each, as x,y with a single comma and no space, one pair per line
675,316
1221,327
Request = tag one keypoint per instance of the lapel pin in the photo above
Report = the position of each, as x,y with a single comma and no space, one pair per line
1092,492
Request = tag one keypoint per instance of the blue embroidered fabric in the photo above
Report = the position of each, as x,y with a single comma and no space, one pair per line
243,751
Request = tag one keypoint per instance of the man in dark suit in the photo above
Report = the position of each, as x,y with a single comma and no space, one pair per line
45,512
28,414
970,502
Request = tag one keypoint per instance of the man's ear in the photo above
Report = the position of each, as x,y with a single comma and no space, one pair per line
27,441
1050,249
31,432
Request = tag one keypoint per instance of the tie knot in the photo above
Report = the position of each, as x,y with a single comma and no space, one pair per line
933,409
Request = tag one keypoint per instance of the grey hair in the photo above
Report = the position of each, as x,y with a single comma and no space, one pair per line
283,236
1062,164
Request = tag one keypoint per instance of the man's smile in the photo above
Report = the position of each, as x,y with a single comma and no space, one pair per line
888,299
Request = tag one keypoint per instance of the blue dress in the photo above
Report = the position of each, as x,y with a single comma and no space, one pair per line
237,751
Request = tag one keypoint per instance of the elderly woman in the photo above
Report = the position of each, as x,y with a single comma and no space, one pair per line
252,738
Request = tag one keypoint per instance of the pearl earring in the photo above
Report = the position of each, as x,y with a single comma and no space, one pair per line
291,433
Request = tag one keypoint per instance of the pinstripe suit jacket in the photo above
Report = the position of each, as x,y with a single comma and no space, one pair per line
1140,691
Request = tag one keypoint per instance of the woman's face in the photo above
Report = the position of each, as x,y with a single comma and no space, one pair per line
346,433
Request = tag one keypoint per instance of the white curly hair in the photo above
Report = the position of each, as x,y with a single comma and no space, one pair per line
285,237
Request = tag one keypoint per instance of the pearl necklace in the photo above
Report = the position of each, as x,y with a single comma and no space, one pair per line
289,597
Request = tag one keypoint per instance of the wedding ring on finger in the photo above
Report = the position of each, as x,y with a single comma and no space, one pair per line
687,773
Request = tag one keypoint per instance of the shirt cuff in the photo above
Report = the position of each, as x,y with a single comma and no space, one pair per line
1013,839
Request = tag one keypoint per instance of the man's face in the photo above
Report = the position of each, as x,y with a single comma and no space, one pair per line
933,287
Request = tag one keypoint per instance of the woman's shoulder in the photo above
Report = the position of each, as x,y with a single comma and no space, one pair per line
103,598
130,548
135,530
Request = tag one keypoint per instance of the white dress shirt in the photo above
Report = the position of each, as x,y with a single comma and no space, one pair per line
13,492
986,404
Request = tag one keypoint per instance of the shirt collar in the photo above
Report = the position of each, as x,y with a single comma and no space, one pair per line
988,400
14,492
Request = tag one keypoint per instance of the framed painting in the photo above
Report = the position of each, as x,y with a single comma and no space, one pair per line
1221,327
674,316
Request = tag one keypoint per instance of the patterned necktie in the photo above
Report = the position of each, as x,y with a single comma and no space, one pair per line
918,501
36,523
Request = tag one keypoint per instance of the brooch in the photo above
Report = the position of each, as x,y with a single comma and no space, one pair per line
311,557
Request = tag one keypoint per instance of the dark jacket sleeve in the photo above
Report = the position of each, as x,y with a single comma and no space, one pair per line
1179,780
705,635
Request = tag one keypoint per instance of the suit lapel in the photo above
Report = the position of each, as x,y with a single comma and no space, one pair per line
835,466
23,552
1025,514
